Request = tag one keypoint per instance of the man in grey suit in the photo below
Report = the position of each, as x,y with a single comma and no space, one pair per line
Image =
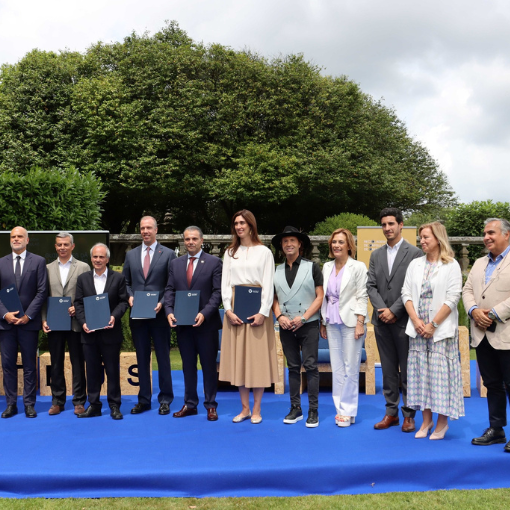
146,268
62,275
386,273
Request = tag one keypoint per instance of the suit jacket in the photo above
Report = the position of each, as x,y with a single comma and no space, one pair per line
496,294
56,289
32,291
446,285
353,298
118,298
384,289
206,279
156,278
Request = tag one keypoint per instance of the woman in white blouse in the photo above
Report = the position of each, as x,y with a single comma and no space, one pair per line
344,312
431,291
248,351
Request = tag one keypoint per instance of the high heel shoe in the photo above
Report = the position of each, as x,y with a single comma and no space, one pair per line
439,435
424,432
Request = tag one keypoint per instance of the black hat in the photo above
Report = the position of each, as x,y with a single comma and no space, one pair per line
290,232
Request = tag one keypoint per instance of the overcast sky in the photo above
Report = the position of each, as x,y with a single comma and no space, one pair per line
442,65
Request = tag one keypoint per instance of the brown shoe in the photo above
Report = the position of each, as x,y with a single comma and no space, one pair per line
185,411
408,425
54,409
212,415
387,422
79,409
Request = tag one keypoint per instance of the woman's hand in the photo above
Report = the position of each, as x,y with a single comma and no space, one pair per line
233,318
419,326
428,331
324,332
359,331
258,320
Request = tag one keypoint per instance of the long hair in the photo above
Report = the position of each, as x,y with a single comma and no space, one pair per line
252,223
446,253
351,244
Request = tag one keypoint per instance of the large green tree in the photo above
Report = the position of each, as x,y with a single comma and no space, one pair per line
196,132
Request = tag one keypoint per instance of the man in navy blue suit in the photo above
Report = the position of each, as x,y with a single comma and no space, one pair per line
197,271
28,272
146,268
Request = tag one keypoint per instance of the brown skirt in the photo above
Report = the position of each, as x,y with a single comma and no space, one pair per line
248,354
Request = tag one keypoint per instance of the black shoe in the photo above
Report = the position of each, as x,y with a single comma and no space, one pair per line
294,416
313,419
164,409
140,408
91,412
507,447
30,412
10,411
491,435
115,413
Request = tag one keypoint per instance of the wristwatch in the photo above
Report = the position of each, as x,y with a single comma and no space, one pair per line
435,324
303,320
492,316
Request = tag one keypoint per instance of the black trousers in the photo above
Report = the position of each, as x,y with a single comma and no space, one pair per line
304,340
160,335
494,365
200,342
101,357
57,344
393,346
27,341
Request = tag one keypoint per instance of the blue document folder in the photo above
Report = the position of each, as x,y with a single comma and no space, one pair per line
97,311
247,302
10,298
144,304
58,317
186,306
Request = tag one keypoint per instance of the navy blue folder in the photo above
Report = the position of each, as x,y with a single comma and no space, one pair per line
144,304
97,311
247,302
186,306
10,298
57,316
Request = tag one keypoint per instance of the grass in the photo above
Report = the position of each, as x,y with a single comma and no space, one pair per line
486,499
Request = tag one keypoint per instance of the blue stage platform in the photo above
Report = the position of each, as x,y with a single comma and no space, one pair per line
151,455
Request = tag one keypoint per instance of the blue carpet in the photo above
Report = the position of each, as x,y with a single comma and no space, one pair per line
151,455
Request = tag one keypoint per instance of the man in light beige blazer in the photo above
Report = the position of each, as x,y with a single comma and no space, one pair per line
486,297
62,275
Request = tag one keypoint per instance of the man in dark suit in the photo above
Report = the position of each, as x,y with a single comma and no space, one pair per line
63,273
386,273
28,272
197,271
102,346
146,268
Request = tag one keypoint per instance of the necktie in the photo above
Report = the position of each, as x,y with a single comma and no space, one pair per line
189,271
17,272
147,263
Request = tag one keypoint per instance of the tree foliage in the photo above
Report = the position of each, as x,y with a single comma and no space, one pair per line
194,132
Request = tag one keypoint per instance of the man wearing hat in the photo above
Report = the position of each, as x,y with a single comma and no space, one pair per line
297,301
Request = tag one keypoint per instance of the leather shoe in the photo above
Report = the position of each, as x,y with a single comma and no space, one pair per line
91,412
30,412
55,409
212,415
164,409
490,436
408,425
115,413
185,411
507,447
140,408
10,411
79,409
387,422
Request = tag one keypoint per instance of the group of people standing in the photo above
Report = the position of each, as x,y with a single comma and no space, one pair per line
414,294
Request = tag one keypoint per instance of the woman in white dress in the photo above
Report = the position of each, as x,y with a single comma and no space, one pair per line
248,351
344,312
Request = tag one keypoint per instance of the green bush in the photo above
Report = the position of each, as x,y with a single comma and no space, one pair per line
47,199
345,220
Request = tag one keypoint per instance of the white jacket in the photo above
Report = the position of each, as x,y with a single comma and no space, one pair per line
446,284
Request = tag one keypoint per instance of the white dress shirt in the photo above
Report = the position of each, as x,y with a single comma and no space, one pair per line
64,270
21,260
195,262
392,254
100,281
151,251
